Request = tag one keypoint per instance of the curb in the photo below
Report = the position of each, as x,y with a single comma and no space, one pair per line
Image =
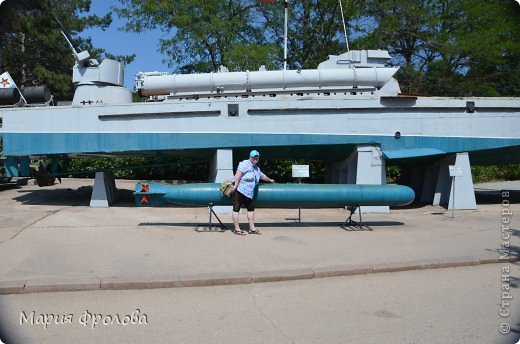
216,279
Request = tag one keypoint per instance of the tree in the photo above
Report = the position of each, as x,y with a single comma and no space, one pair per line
315,29
32,48
200,36
449,47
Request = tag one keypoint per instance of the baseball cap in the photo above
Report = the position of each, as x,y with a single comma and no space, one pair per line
253,153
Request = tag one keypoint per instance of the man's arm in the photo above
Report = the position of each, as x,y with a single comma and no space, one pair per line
238,175
266,179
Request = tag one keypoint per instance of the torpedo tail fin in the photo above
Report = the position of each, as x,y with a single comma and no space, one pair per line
145,197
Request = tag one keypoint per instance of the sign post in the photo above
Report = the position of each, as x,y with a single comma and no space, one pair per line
455,171
299,172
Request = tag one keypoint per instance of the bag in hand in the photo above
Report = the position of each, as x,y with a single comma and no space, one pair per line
227,188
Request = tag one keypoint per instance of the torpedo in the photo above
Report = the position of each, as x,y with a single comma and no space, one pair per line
278,195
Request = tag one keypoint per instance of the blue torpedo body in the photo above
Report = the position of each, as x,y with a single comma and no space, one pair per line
278,195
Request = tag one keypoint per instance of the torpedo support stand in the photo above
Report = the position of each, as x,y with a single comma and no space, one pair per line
209,226
350,224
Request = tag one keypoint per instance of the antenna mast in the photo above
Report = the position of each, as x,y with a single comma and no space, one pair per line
286,5
344,25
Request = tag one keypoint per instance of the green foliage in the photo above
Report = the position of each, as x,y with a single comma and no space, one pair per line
393,174
483,174
131,168
136,97
202,35
183,168
445,47
125,59
449,47
315,29
34,51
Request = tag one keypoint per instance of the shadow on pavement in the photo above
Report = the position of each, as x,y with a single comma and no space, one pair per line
413,205
69,197
482,196
9,186
60,197
495,196
275,224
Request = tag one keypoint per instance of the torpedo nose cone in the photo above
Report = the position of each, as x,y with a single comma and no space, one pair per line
407,195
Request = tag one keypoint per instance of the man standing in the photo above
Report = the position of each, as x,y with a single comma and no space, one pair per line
246,180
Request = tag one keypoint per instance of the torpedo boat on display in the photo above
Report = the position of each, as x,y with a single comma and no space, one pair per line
348,112
350,100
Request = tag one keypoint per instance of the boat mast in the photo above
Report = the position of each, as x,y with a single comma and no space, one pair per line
286,5
344,25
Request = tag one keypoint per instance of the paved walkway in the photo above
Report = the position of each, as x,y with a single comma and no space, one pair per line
50,240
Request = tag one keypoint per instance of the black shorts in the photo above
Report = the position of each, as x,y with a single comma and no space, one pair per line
239,199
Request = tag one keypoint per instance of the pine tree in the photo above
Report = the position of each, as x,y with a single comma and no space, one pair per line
32,47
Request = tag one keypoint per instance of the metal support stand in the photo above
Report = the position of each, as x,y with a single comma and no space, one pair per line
350,224
210,226
453,193
299,218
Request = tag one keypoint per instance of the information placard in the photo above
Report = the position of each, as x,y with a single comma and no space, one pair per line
455,171
300,171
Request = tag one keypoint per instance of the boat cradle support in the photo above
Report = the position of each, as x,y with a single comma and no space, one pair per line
365,165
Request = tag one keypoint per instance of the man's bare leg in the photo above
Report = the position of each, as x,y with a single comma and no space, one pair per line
251,219
235,221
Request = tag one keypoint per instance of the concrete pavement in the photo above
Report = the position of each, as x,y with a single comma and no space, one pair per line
454,305
50,240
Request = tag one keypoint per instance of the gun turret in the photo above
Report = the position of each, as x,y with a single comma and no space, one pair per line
96,83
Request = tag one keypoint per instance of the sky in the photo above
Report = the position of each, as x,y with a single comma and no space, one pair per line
143,45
